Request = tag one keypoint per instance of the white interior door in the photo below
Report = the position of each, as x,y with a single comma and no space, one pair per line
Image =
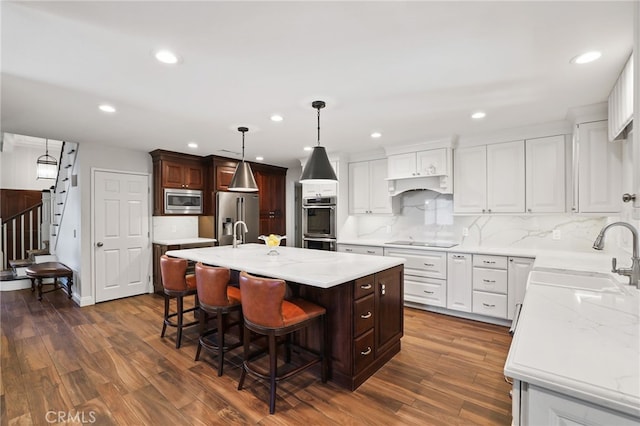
121,240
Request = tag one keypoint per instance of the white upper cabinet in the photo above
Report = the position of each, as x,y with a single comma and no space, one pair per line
545,175
598,174
368,188
312,190
470,180
505,177
431,162
489,179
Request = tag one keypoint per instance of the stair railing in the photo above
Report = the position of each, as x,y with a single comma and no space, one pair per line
21,232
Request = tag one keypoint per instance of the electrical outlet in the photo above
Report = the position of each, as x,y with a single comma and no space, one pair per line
556,234
465,232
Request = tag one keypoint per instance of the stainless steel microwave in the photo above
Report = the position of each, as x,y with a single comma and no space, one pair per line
182,201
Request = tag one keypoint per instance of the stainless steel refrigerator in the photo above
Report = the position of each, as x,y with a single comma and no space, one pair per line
232,207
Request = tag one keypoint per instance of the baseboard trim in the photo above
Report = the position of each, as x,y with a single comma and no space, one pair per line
19,284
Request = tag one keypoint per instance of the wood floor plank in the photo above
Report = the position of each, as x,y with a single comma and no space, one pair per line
109,360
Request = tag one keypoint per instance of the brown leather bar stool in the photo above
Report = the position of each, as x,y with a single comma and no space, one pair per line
218,299
177,284
266,313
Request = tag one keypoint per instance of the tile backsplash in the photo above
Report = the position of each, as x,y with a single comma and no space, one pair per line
428,215
174,227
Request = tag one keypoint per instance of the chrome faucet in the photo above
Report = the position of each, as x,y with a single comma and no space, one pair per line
634,272
235,232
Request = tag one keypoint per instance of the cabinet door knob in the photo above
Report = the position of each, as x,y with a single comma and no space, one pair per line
383,289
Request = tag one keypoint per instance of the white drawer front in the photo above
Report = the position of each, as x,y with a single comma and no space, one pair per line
491,304
430,264
425,290
358,249
493,280
484,261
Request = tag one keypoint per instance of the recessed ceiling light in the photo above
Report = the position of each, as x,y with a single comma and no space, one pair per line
166,57
308,148
107,108
276,118
376,135
259,158
478,115
586,57
192,145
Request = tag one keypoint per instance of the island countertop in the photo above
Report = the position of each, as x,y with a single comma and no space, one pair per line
316,268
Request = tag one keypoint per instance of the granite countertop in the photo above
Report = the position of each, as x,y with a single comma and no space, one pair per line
317,268
184,241
577,339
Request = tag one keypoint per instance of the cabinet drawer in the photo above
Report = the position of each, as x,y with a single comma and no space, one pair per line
363,351
484,261
425,290
493,280
363,286
491,304
353,248
432,264
363,315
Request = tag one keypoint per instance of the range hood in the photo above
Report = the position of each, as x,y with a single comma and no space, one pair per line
442,184
425,166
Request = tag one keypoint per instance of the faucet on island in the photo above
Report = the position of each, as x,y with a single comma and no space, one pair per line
235,232
634,271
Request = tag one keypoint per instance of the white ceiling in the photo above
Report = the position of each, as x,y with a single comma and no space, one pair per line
413,71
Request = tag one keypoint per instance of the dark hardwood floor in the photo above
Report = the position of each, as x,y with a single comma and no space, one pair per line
106,364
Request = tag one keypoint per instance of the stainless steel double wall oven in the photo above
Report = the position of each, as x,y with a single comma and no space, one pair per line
319,223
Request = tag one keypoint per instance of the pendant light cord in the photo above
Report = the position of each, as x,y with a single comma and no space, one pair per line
318,126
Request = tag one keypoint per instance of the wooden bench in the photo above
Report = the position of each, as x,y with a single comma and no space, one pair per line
54,270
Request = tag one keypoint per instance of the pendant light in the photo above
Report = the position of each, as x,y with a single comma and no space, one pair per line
318,169
46,165
243,180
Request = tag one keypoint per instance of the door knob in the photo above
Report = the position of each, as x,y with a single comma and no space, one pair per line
100,244
628,197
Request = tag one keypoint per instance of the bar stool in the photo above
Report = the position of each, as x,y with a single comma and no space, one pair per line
218,299
266,313
177,284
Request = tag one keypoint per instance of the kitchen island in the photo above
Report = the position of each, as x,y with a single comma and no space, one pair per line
363,296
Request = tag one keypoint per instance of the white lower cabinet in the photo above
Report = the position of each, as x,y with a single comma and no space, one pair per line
540,406
425,275
490,285
358,249
517,275
459,281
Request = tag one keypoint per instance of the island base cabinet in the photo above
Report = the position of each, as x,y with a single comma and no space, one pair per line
533,405
364,324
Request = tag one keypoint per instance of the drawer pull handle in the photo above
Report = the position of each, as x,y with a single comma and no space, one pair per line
365,286
458,256
489,281
486,305
366,316
348,249
427,291
371,251
489,262
429,264
366,352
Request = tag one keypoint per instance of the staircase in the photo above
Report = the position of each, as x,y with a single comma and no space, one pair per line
31,235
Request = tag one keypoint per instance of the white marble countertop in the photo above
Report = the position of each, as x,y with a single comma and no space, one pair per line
317,268
582,342
184,241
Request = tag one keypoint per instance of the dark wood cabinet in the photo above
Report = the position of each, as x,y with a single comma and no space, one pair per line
175,170
271,183
365,319
224,170
187,175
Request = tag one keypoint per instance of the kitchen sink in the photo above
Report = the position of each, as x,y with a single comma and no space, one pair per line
436,244
591,281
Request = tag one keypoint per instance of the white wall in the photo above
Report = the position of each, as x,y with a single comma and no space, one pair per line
78,251
18,165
